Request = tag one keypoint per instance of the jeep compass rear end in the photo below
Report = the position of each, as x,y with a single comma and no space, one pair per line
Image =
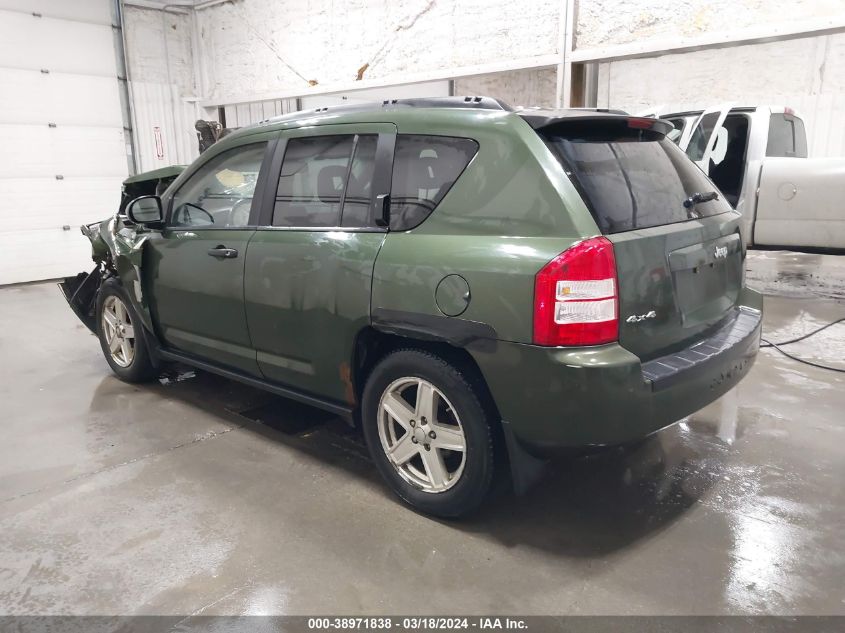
640,326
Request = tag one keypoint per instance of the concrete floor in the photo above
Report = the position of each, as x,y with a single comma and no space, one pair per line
196,495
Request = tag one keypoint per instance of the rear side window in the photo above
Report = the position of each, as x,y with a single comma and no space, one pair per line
786,137
631,178
424,169
319,188
312,181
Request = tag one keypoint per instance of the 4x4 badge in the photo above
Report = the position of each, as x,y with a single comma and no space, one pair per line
636,318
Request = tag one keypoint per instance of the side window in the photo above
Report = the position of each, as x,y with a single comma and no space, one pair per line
317,180
700,136
312,181
677,132
786,136
220,193
424,169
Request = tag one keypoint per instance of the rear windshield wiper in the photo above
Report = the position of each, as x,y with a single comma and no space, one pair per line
697,197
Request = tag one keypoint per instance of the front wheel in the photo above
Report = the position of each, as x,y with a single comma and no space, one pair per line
428,433
121,336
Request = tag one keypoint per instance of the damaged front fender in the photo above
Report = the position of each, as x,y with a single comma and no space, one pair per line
117,248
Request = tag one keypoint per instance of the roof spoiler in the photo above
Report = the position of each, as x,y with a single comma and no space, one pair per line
551,119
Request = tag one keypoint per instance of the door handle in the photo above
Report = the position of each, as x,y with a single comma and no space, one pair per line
221,252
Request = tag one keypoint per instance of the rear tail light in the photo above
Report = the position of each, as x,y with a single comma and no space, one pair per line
576,299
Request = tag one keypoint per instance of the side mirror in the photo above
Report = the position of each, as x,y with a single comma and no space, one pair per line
383,210
145,210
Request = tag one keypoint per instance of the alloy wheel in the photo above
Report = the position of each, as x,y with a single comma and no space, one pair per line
421,434
118,331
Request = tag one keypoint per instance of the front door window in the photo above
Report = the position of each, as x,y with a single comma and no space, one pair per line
220,193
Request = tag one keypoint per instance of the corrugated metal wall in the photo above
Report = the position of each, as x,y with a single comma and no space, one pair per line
249,113
164,126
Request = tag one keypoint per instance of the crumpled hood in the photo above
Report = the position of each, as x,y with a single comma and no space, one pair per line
161,173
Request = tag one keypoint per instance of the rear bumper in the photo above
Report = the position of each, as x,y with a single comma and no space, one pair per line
553,398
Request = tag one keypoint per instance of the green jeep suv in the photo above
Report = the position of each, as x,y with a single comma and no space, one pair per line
475,287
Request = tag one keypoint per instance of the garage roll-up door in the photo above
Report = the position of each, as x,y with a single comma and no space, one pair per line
63,151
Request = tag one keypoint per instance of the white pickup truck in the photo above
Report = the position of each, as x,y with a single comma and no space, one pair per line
757,157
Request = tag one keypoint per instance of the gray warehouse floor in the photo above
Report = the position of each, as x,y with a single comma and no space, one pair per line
198,495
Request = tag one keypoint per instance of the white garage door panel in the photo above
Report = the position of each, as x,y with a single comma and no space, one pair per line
31,151
57,45
82,10
47,203
72,40
45,254
61,98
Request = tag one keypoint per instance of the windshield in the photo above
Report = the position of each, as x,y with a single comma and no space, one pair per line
632,178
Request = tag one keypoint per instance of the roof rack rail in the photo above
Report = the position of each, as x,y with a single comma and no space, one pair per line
480,102
473,102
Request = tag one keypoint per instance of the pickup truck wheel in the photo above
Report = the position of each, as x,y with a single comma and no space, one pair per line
120,335
428,433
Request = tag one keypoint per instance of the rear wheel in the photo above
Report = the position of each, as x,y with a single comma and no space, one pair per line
121,338
428,433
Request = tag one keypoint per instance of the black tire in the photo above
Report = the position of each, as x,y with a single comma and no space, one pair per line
474,481
141,368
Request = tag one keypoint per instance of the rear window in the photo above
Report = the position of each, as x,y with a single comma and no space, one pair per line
630,178
676,134
786,137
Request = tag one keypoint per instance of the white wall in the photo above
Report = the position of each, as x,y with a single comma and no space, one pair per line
262,50
807,74
602,23
408,91
256,46
250,47
532,87
160,64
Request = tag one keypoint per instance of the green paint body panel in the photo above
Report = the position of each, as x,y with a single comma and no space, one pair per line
307,297
197,301
653,277
289,309
559,397
511,211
